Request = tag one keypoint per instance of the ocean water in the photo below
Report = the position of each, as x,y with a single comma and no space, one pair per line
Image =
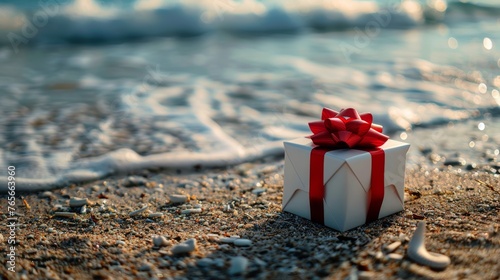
91,88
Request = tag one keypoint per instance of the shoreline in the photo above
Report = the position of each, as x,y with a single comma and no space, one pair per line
454,189
106,242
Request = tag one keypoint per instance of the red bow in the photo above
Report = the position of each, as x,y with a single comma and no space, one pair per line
346,129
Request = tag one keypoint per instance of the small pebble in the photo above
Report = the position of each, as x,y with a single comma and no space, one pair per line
160,241
145,267
187,246
242,242
213,237
135,181
238,265
78,202
120,242
455,162
179,198
65,214
205,262
191,211
46,194
137,212
259,191
155,215
366,275
228,240
393,246
395,257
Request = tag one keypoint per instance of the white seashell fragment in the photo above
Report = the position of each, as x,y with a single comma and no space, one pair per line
155,215
179,198
160,241
78,202
418,253
137,212
186,247
191,211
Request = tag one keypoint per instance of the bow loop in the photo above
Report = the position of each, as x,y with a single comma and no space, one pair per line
346,129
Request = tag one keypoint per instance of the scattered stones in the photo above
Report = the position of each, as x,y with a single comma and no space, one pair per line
187,246
418,253
392,247
161,241
238,265
179,198
78,202
242,242
137,212
65,214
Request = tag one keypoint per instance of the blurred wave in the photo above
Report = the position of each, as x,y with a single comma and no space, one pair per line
92,21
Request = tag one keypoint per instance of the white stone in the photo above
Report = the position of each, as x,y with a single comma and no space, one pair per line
78,202
242,242
418,253
179,198
392,247
395,257
238,265
137,212
191,211
213,237
155,215
47,194
160,241
187,246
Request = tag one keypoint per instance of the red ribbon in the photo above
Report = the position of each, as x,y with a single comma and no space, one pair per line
346,129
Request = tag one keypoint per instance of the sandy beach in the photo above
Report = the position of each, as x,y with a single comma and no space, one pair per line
143,139
106,241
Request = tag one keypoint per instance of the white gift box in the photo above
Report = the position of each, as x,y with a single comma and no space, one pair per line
346,178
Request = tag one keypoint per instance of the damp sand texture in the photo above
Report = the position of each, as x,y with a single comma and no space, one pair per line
225,224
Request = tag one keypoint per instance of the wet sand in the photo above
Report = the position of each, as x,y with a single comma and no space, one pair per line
105,242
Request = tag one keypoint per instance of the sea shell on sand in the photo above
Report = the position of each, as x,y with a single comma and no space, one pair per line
418,253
